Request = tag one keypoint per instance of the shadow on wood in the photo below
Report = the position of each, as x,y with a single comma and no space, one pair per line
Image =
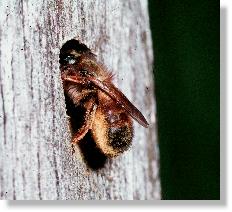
92,155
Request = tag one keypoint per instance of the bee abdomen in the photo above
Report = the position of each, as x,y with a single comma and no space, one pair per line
120,138
112,137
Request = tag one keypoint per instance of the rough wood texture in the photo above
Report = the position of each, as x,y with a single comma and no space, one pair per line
36,158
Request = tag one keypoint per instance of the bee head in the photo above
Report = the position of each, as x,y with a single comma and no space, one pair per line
71,51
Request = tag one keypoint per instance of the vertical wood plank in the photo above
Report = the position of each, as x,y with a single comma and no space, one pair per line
36,158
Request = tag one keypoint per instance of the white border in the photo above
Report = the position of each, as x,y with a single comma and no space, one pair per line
226,117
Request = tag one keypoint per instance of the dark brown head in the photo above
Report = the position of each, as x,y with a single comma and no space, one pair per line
71,51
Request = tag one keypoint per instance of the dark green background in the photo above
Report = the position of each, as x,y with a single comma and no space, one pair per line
187,76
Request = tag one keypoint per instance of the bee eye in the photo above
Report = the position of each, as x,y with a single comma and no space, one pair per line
70,59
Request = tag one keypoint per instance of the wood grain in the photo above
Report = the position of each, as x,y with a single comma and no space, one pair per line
36,157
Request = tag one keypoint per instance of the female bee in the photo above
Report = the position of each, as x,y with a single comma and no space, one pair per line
93,103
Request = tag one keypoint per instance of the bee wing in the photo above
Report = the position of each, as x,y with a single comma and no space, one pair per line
115,94
120,99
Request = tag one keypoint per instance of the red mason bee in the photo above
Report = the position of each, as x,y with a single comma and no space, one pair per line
93,103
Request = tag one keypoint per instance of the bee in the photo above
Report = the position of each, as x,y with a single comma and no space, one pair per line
93,103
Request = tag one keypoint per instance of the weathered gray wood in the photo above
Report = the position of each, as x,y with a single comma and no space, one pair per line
36,158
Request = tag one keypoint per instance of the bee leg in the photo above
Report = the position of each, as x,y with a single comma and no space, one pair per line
91,107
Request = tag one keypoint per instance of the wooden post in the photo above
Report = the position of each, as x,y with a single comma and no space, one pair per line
36,158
